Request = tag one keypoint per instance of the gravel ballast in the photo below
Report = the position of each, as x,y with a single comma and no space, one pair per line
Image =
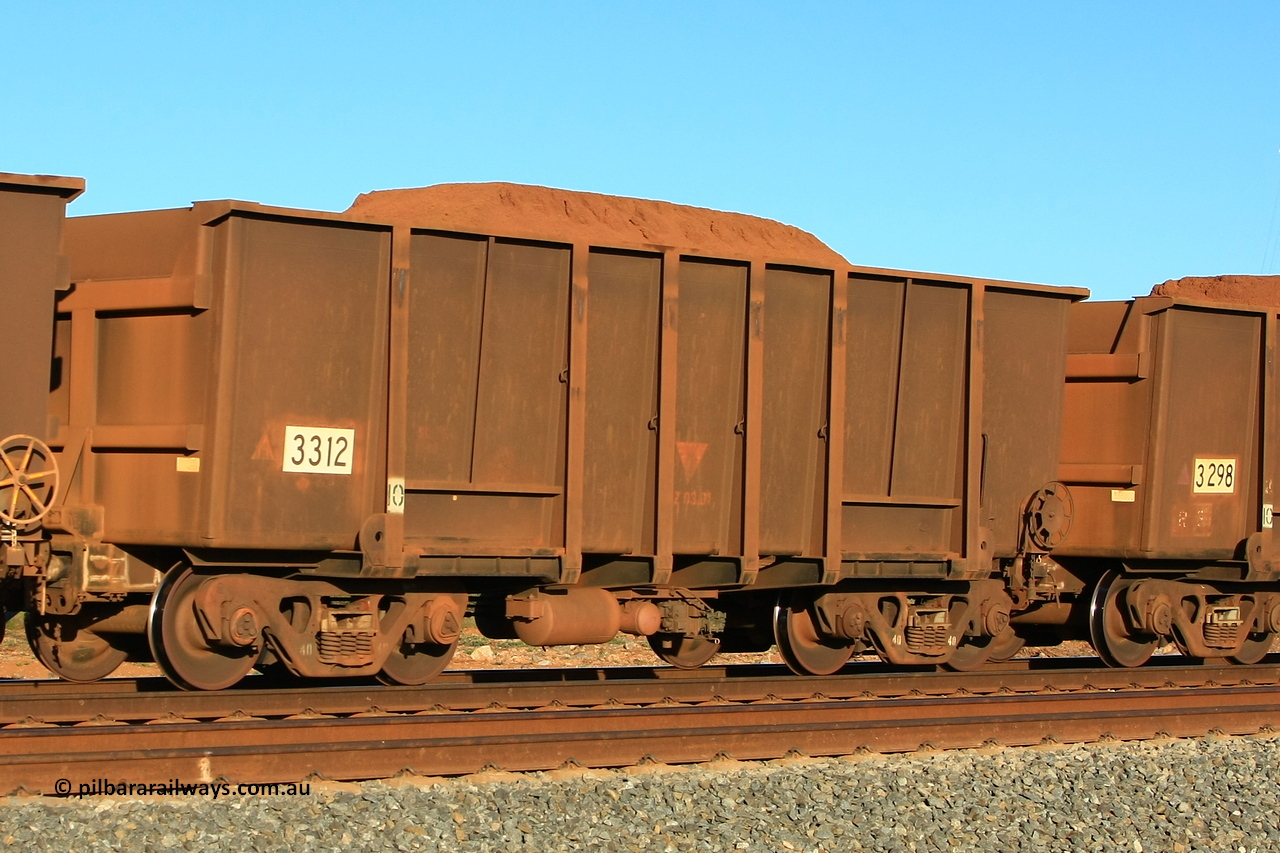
1218,794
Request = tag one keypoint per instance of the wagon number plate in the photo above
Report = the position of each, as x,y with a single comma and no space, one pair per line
318,450
1214,476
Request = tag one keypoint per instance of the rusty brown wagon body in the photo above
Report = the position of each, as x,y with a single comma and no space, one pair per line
319,435
32,270
1170,449
533,416
207,334
314,442
545,400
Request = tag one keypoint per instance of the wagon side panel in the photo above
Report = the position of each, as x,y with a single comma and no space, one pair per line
31,217
1024,359
487,396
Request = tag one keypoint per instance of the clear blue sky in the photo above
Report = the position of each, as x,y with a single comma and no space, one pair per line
1108,145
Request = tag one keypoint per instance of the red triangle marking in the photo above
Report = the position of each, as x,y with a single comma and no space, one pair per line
691,453
263,450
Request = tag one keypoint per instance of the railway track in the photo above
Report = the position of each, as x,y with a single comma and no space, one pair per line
142,731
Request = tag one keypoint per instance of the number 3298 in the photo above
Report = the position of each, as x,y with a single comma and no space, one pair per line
1215,476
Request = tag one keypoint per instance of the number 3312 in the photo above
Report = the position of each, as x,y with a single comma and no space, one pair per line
318,450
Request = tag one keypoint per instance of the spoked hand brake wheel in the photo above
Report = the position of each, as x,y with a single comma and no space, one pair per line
28,480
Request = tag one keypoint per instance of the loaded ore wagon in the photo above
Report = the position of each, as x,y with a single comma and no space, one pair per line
1171,449
32,272
315,442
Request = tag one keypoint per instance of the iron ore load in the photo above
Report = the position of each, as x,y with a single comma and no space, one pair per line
313,443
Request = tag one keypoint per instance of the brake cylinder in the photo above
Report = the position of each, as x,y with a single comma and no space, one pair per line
565,617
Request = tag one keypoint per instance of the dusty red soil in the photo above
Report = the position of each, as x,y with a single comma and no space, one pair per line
565,215
1240,289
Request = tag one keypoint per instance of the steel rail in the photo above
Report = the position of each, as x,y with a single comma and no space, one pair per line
378,743
143,700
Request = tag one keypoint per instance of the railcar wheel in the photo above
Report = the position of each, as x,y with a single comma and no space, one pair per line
1005,646
684,652
976,652
179,646
416,663
69,651
1255,648
1115,642
804,650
